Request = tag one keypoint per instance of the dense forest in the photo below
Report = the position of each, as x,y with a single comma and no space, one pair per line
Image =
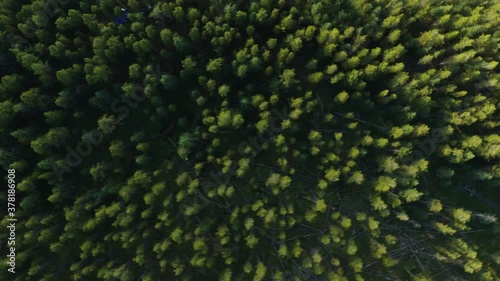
251,140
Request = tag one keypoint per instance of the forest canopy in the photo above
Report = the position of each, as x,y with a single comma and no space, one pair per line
252,140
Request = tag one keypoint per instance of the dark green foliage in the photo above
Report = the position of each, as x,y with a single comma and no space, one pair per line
253,140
